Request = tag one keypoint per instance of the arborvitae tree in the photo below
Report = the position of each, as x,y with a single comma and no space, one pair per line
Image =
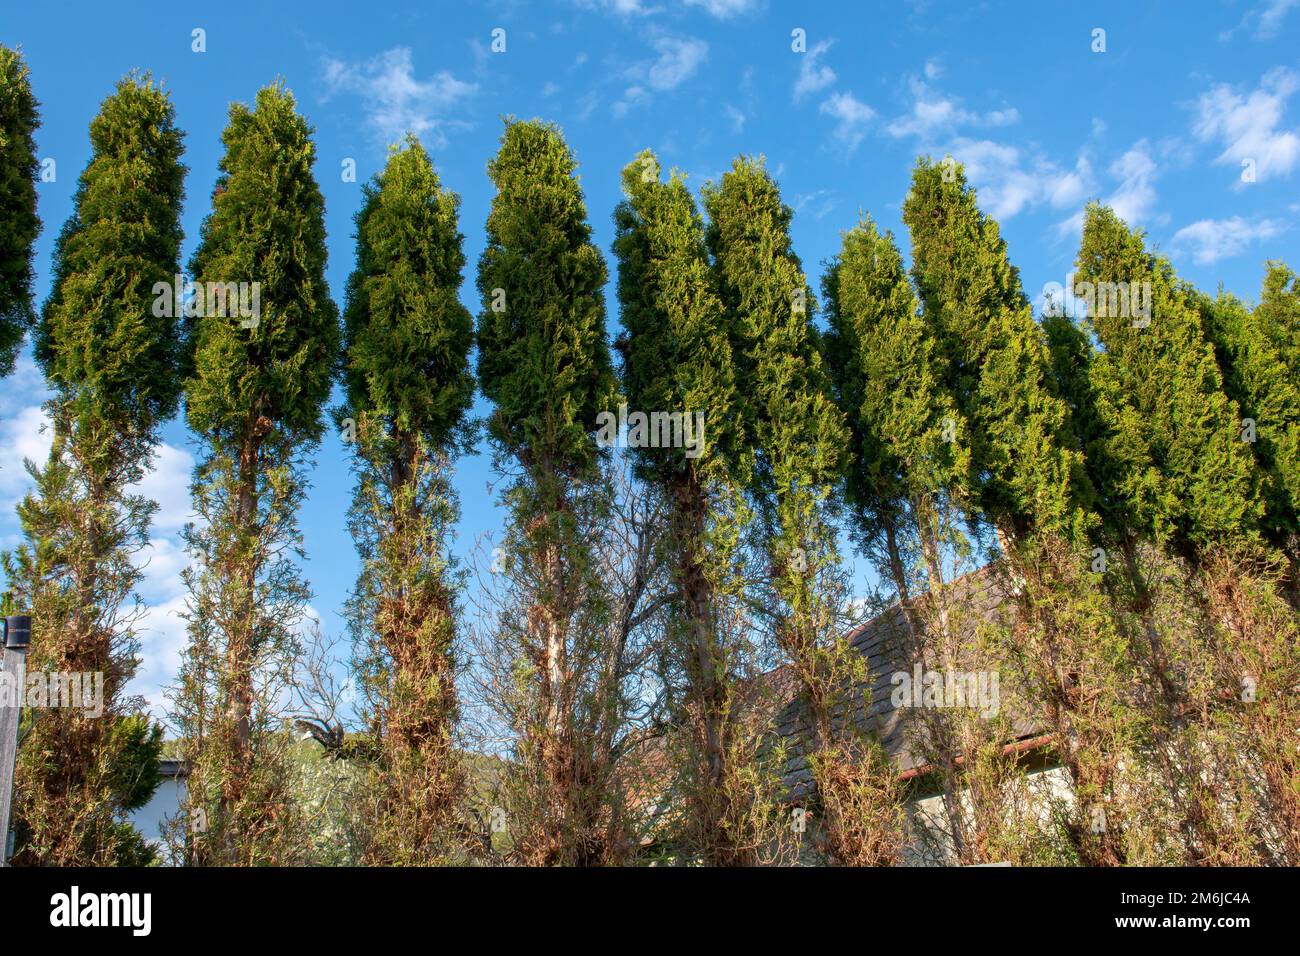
259,376
544,362
19,224
1279,311
1256,375
1026,472
409,387
800,438
677,360
1175,469
889,378
111,359
907,453
1029,483
1278,314
1174,433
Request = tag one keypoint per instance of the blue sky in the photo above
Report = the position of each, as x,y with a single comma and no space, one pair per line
1158,124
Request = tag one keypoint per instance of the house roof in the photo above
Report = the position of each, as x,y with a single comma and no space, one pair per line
977,599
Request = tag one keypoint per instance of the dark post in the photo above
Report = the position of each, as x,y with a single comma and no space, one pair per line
13,684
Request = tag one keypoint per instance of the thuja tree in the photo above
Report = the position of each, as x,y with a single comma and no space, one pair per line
1174,431
1027,481
1186,471
544,363
799,437
19,224
907,462
1279,311
1253,352
1278,314
409,387
677,360
258,379
111,361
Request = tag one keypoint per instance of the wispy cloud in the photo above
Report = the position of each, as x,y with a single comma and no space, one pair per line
932,114
1134,196
1266,19
813,75
852,117
1249,126
395,100
679,59
1010,179
1210,240
818,203
624,8
720,9
725,9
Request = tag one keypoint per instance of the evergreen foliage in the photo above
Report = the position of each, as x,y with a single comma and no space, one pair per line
19,224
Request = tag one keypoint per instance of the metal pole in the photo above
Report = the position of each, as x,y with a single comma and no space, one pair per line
17,636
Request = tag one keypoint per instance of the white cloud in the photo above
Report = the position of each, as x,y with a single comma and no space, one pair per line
1271,15
23,433
725,9
1210,240
162,635
932,113
1267,19
721,9
624,8
1133,198
395,100
818,203
679,59
813,76
1248,126
1008,181
169,485
852,116
24,436
162,562
736,116
933,69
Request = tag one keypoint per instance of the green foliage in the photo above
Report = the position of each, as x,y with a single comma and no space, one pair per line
406,335
889,379
100,336
19,224
675,347
1279,311
1267,391
267,226
798,434
543,359
800,439
1173,434
1026,473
